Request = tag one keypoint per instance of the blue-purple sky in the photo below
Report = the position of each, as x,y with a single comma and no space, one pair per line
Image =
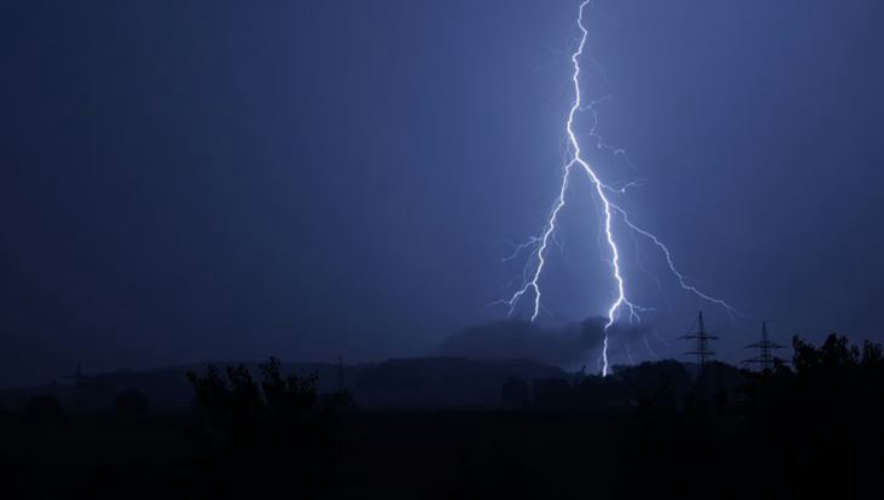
192,180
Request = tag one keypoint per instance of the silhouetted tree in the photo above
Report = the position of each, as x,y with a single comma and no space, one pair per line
272,431
835,355
288,397
659,387
212,394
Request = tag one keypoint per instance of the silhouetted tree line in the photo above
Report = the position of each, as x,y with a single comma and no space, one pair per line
659,386
247,436
264,436
812,431
663,430
814,428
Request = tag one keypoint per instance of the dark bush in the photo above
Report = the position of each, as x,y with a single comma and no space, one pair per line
261,437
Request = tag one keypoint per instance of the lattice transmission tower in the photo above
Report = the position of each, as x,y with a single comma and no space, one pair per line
766,349
702,338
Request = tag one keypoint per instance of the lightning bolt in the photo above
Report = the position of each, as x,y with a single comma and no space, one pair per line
609,209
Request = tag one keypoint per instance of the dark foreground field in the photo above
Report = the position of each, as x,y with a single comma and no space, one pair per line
386,454
378,454
436,455
652,431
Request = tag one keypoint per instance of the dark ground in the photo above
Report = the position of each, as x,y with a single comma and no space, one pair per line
446,454
656,430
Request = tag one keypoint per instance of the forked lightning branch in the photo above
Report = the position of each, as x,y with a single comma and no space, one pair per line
613,217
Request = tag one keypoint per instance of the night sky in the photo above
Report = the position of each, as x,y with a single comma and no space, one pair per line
215,180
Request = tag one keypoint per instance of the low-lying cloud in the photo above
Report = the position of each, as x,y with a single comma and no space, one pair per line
565,345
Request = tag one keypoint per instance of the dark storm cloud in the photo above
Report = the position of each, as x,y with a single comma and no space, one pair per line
566,345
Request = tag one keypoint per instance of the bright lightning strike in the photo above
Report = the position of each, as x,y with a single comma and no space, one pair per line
542,242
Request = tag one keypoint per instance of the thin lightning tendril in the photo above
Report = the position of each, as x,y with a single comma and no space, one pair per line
542,242
517,249
682,281
648,346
